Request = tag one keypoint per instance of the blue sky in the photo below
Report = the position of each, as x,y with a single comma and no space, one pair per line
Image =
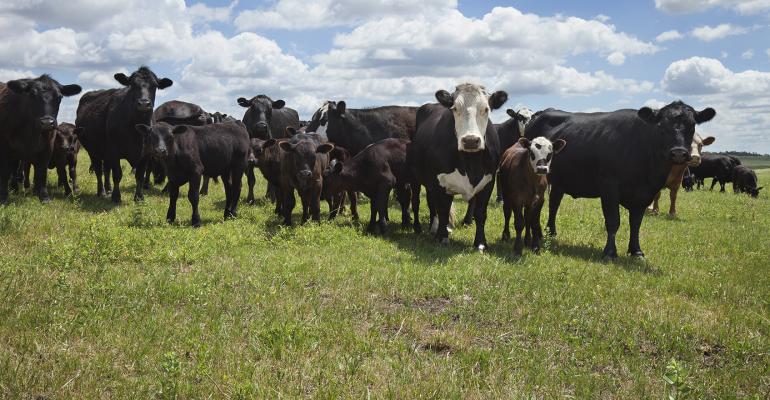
573,55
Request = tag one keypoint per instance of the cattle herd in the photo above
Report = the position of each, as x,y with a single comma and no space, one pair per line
625,157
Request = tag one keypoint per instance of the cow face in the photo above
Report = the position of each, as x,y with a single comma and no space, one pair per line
470,105
332,183
320,120
142,85
66,139
158,140
306,158
676,125
261,108
696,148
41,98
754,192
522,118
541,152
257,151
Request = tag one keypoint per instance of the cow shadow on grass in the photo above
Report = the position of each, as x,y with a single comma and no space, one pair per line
593,254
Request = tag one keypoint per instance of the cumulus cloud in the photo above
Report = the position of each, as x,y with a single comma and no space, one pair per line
616,58
311,14
669,35
693,6
710,33
748,54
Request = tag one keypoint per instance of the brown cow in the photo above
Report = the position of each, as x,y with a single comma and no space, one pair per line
522,178
674,180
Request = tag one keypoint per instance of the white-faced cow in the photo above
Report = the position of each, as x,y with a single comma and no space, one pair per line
622,157
28,112
456,151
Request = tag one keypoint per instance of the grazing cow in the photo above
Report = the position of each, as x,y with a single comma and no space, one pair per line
522,177
64,158
190,151
108,120
456,151
28,112
266,119
177,112
688,180
676,176
307,155
336,199
354,129
716,166
622,157
745,181
375,171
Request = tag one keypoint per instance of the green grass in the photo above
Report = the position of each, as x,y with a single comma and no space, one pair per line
755,162
111,302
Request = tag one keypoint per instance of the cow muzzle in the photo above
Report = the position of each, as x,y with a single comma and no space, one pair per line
542,170
261,128
144,105
694,160
305,174
47,124
679,155
471,143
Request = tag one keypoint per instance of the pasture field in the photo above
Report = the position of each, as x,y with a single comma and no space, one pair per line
755,162
108,302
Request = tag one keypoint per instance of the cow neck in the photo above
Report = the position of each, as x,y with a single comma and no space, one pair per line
659,166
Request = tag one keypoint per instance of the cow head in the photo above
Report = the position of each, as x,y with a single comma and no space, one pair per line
307,158
696,148
754,192
261,108
470,105
522,118
320,120
332,184
42,97
66,138
158,139
256,151
676,126
142,85
541,152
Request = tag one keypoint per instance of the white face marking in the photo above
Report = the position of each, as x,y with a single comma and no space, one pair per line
695,149
543,151
471,112
324,110
457,183
527,114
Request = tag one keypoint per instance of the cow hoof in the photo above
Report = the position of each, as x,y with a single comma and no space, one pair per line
417,228
45,200
250,201
637,254
196,224
481,248
609,257
170,220
444,241
138,198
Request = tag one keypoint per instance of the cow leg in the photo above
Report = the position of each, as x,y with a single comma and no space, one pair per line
432,217
107,176
480,215
315,204
635,217
554,201
518,224
139,176
372,227
235,187
654,208
61,171
353,205
506,221
537,230
721,186
403,195
117,175
41,179
443,205
271,192
16,175
6,171
468,219
146,177
173,195
252,181
383,194
205,186
527,231
228,196
288,204
713,182
73,176
96,166
416,208
499,190
26,168
193,196
672,196
278,200
611,210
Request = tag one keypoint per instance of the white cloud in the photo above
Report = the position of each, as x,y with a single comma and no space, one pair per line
616,58
11,74
748,54
669,35
768,52
692,6
310,14
709,33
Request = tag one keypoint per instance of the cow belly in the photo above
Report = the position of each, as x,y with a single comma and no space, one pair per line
457,183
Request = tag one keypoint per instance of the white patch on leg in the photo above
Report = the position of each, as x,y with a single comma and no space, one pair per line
457,183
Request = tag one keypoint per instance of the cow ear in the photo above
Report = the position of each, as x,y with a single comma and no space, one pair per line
709,140
165,83
290,131
324,148
70,90
524,142
179,129
445,99
286,146
268,143
511,113
341,107
243,102
648,115
497,99
705,115
278,104
558,145
142,129
122,79
18,86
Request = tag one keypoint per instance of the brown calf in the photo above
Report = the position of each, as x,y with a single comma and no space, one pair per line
674,180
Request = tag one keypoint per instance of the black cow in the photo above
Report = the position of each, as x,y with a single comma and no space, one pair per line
745,181
302,165
64,158
374,171
190,151
28,112
108,118
266,119
354,129
622,157
688,180
456,151
716,166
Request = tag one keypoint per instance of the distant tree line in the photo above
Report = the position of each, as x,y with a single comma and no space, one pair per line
741,154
